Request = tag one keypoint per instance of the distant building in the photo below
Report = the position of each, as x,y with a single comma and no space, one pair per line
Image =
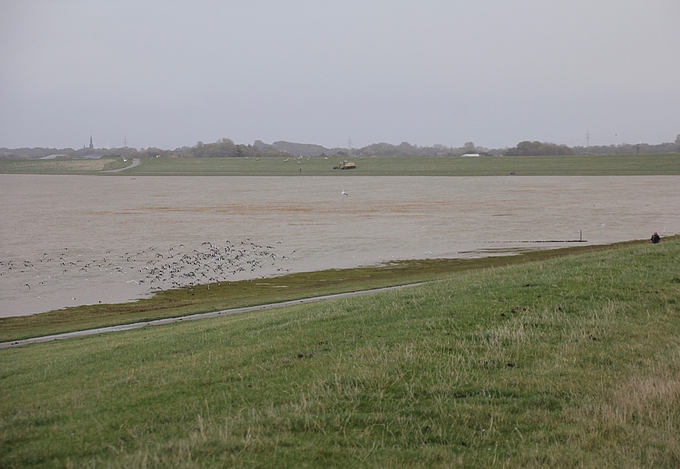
91,146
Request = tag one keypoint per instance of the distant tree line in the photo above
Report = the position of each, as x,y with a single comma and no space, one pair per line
226,148
223,148
629,149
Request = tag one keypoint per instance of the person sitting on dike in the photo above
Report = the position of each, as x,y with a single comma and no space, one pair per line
655,238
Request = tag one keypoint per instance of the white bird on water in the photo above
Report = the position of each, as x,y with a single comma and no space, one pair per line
344,193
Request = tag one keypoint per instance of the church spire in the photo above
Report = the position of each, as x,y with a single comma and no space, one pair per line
91,146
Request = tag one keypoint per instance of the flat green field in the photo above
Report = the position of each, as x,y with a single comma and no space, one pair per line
624,165
572,361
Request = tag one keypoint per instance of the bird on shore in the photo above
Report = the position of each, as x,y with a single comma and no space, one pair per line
156,269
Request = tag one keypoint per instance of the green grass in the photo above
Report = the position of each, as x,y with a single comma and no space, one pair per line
417,166
60,166
604,165
567,362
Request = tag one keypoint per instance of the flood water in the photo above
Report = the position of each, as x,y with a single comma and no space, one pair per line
71,240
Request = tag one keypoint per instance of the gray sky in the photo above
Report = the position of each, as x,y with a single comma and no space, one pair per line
170,73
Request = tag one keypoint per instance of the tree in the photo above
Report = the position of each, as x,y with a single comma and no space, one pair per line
535,148
406,148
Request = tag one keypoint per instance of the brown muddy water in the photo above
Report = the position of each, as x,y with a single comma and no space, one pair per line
72,240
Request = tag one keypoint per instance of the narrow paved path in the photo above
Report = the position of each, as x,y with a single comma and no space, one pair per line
193,317
135,162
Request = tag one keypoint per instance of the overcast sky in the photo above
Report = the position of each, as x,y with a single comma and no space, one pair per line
171,73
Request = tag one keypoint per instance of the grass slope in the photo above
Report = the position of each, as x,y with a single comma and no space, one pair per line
229,295
568,362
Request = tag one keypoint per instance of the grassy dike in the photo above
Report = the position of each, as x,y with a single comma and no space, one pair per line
573,165
567,362
604,165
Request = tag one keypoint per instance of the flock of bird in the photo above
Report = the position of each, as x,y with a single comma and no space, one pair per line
179,267
154,268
